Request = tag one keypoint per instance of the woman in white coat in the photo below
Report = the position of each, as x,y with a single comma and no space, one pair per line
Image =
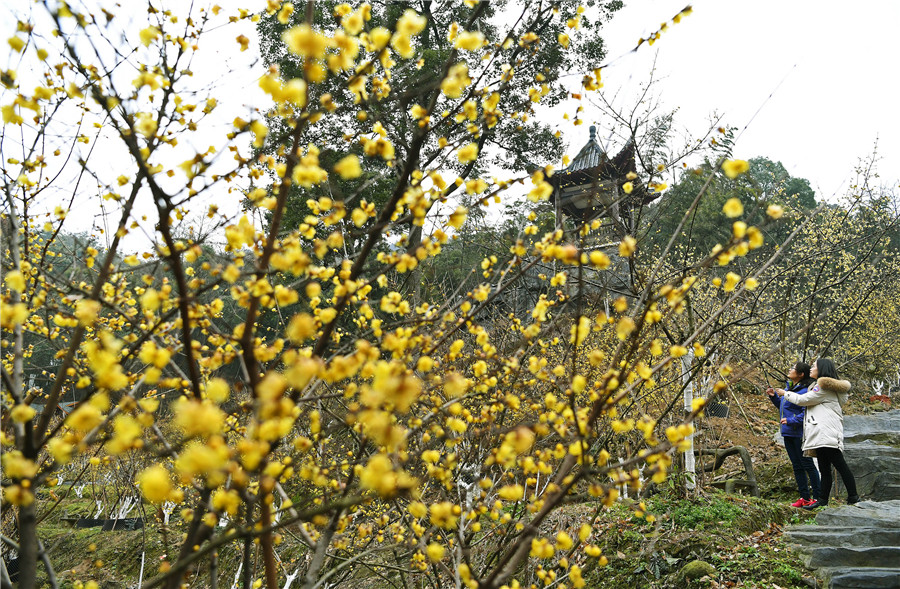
823,428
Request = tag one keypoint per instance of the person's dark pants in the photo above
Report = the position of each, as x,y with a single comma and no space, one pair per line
827,458
804,468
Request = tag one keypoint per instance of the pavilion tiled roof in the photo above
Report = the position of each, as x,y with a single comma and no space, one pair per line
592,171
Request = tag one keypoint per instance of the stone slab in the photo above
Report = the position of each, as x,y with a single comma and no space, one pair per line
857,578
813,536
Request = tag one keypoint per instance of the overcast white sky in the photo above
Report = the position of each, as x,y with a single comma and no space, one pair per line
823,75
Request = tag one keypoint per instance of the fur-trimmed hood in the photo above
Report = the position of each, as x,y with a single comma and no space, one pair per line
839,387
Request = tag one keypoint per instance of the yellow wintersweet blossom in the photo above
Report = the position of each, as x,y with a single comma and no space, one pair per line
240,234
353,22
10,116
444,514
87,311
467,153
734,168
228,501
733,208
306,42
380,476
624,328
754,238
458,217
698,404
731,281
85,418
148,35
457,80
542,189
307,172
411,23
511,492
103,359
155,484
284,15
16,466
469,40
17,43
126,431
22,413
217,390
15,280
627,246
150,300
348,167
197,418
145,125
293,92
775,211
599,260
435,552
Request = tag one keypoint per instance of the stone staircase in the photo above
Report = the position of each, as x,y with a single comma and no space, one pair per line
858,546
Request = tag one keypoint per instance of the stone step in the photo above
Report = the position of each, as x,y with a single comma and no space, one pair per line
863,557
858,546
861,578
866,514
814,536
872,425
889,491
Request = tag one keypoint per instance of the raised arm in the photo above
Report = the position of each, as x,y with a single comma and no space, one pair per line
813,396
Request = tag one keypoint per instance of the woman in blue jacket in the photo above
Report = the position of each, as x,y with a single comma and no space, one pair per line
792,431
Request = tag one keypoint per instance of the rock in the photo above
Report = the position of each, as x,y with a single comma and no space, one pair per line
697,569
886,424
858,546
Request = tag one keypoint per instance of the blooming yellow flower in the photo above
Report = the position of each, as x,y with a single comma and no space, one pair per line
456,81
733,208
155,484
511,492
734,168
21,413
411,23
348,167
469,40
15,280
467,153
731,281
677,351
17,43
148,35
146,125
302,40
775,211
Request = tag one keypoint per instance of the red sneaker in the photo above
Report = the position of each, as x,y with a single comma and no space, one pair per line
801,502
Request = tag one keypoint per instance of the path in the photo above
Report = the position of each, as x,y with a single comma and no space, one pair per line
858,546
